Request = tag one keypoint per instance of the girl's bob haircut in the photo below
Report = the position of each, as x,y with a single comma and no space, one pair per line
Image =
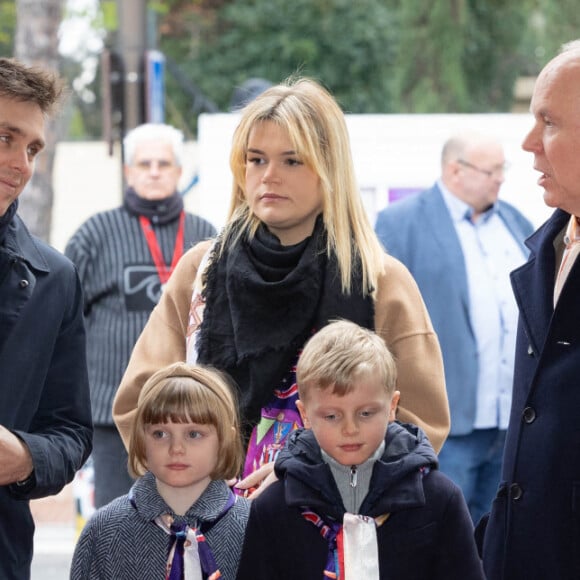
183,393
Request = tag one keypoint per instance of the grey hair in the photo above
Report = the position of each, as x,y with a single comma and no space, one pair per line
153,132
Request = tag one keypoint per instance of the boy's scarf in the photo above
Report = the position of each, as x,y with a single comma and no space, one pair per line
263,301
352,546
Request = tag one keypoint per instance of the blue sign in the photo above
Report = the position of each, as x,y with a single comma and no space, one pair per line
155,86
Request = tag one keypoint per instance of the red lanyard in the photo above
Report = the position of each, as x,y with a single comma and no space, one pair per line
162,269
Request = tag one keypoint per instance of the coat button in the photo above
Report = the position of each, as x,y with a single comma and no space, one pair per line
529,415
530,350
23,283
516,491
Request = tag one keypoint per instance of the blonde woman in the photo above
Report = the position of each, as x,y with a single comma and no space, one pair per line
297,252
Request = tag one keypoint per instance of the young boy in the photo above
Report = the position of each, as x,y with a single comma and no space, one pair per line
359,495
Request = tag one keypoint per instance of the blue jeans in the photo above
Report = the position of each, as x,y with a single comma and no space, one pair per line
473,462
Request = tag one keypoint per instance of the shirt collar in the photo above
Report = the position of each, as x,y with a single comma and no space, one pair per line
458,209
572,230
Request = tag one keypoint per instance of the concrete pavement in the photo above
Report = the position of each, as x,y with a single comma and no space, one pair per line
55,535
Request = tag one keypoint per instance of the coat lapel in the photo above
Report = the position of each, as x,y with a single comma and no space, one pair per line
533,283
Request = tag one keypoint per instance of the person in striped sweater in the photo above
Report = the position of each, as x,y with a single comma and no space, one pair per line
124,257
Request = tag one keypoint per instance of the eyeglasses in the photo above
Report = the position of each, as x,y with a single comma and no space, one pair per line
147,164
500,170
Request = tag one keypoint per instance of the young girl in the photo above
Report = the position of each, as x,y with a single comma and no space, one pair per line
180,519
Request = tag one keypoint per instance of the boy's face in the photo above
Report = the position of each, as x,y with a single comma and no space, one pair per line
349,428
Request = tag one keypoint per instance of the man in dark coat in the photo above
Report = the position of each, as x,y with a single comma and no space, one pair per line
45,417
534,527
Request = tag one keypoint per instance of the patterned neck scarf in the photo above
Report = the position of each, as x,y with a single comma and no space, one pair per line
352,545
189,555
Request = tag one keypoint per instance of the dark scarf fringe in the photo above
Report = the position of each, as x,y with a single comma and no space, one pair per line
263,301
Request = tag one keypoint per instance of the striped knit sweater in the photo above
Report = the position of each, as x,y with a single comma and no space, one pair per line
121,287
123,542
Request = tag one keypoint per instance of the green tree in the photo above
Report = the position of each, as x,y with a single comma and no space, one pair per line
550,25
458,55
347,45
7,27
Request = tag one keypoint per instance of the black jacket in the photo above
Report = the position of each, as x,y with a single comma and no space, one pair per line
44,394
428,535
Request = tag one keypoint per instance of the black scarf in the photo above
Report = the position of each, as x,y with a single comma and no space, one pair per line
263,301
6,219
159,211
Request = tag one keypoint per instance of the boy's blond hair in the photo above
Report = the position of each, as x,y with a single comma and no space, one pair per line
182,393
341,353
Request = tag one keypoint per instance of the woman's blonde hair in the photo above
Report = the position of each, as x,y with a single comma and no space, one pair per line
182,393
317,129
341,353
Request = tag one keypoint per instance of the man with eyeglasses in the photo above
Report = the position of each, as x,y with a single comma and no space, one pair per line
460,243
124,257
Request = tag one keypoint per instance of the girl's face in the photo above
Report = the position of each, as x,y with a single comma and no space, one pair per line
181,455
281,190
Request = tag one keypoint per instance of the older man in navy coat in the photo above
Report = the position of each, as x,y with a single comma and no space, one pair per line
460,243
534,527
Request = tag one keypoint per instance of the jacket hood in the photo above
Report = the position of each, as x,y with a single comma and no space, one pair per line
396,481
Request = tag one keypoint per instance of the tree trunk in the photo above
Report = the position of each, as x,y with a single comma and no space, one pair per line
36,43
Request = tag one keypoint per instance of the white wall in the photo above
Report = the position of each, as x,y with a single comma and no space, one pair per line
390,152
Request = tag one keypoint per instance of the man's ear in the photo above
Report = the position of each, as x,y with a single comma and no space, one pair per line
303,414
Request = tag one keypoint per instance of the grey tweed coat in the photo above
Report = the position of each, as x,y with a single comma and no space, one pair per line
123,541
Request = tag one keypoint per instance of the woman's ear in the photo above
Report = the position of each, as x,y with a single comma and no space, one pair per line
303,414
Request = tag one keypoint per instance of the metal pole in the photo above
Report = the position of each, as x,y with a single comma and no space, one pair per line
132,44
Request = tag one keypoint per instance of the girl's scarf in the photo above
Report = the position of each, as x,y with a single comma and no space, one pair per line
159,211
263,301
190,557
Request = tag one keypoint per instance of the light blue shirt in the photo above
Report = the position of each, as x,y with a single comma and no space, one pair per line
490,253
